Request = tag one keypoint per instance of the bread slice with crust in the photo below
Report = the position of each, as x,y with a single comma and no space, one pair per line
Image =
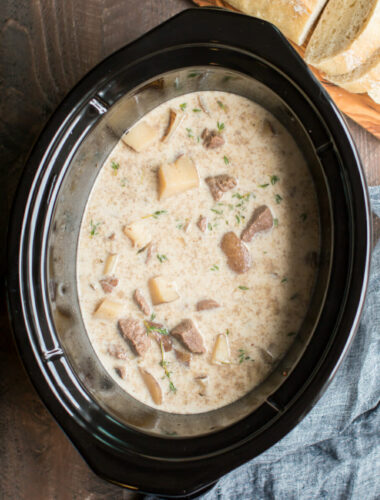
365,78
346,36
293,17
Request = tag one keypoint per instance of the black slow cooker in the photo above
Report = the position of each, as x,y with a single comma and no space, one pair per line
123,440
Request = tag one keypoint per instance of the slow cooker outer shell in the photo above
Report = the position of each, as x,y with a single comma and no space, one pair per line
129,467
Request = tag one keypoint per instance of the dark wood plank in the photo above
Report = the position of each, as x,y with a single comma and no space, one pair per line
46,46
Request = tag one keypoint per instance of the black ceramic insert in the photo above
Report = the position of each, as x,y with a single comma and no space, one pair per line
123,440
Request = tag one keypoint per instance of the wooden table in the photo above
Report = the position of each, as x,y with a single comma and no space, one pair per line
46,46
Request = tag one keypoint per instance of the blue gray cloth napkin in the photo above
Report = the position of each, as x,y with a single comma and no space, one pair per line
334,453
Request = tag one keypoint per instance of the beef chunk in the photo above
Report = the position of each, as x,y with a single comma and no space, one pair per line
238,256
220,184
109,283
141,302
202,305
117,352
212,139
183,357
261,220
188,334
202,223
133,332
121,371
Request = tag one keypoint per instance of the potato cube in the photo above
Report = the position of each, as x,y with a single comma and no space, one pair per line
111,263
162,290
137,234
140,136
177,177
108,309
152,385
221,353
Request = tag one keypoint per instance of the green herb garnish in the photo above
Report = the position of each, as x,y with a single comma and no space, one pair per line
94,228
197,110
226,160
157,213
123,182
220,126
162,258
219,212
278,198
274,179
189,132
183,106
164,365
243,356
221,105
263,185
192,75
303,217
215,267
242,287
115,167
275,222
284,280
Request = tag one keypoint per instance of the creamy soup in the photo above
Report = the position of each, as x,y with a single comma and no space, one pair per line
197,252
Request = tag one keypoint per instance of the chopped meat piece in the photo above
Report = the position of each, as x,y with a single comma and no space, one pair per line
117,352
220,184
141,302
202,223
111,236
203,305
239,258
212,139
183,357
109,283
188,334
261,220
150,249
133,332
121,371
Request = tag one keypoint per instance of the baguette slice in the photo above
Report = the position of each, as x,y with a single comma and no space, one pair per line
365,78
293,17
347,34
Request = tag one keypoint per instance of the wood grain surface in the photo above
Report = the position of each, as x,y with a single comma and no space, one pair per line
46,46
360,107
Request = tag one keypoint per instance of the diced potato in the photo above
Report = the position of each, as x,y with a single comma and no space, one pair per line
202,381
177,177
152,385
140,136
137,233
111,263
174,121
221,354
108,309
162,290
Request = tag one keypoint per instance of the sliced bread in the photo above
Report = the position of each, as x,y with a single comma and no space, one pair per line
365,78
293,17
346,35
